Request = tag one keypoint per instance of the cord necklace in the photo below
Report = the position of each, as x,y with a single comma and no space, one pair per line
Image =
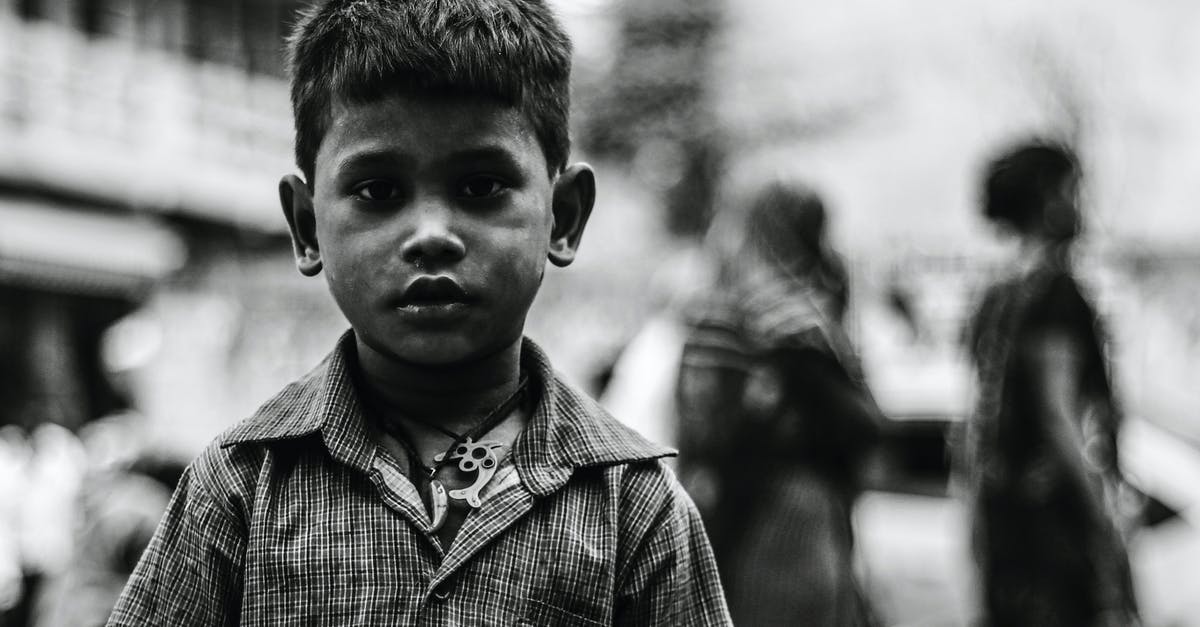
472,454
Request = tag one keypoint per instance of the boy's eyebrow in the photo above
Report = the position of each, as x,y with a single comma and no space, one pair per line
382,156
490,152
374,156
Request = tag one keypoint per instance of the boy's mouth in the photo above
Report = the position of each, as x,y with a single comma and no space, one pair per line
429,294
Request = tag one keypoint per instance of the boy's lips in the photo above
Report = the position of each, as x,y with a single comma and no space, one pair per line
433,290
433,299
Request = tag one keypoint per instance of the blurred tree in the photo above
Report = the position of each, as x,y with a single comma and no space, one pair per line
654,110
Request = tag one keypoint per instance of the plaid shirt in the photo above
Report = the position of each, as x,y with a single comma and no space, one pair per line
295,516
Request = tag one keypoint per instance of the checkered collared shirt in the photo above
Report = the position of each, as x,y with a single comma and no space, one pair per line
295,516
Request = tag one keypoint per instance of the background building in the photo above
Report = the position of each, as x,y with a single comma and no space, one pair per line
140,144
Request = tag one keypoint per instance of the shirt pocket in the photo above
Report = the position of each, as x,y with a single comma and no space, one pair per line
542,614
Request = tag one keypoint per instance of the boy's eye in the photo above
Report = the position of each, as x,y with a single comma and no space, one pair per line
481,187
377,191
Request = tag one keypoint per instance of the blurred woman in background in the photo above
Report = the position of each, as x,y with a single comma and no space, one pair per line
1041,447
775,417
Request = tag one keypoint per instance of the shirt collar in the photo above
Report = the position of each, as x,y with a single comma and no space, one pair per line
566,430
323,401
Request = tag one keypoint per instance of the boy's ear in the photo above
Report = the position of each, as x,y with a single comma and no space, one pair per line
574,195
296,201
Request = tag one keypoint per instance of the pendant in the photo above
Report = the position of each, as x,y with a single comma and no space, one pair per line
477,457
438,504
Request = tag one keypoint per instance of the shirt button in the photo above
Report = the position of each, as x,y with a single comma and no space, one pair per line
442,591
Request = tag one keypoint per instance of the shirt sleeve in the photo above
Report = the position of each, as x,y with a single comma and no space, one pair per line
673,579
191,573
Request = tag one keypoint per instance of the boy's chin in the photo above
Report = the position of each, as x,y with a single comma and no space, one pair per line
439,351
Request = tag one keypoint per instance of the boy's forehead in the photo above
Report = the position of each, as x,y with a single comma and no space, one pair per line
426,125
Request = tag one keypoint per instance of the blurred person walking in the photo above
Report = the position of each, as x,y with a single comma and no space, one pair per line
775,415
1041,445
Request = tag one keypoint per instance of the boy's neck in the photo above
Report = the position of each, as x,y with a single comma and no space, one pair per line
455,396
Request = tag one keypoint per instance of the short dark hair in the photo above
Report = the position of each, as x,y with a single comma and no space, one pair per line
1018,182
786,218
778,222
513,51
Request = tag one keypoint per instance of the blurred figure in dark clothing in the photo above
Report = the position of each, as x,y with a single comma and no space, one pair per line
775,416
1041,446
779,244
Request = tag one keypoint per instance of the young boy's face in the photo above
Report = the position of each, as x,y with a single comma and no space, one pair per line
433,219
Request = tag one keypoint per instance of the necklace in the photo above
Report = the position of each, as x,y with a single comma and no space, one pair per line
471,453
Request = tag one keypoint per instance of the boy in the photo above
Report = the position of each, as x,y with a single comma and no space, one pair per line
433,469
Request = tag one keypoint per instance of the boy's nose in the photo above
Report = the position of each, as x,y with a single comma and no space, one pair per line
432,240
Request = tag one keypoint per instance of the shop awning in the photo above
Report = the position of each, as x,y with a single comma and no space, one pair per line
74,250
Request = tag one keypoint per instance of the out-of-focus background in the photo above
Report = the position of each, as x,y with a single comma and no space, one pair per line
148,298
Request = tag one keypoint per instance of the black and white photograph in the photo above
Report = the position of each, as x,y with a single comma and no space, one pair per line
651,313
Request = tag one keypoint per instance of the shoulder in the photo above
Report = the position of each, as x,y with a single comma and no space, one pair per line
1060,302
714,334
583,437
1003,300
227,469
599,439
294,411
570,430
1064,289
650,490
654,513
225,476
